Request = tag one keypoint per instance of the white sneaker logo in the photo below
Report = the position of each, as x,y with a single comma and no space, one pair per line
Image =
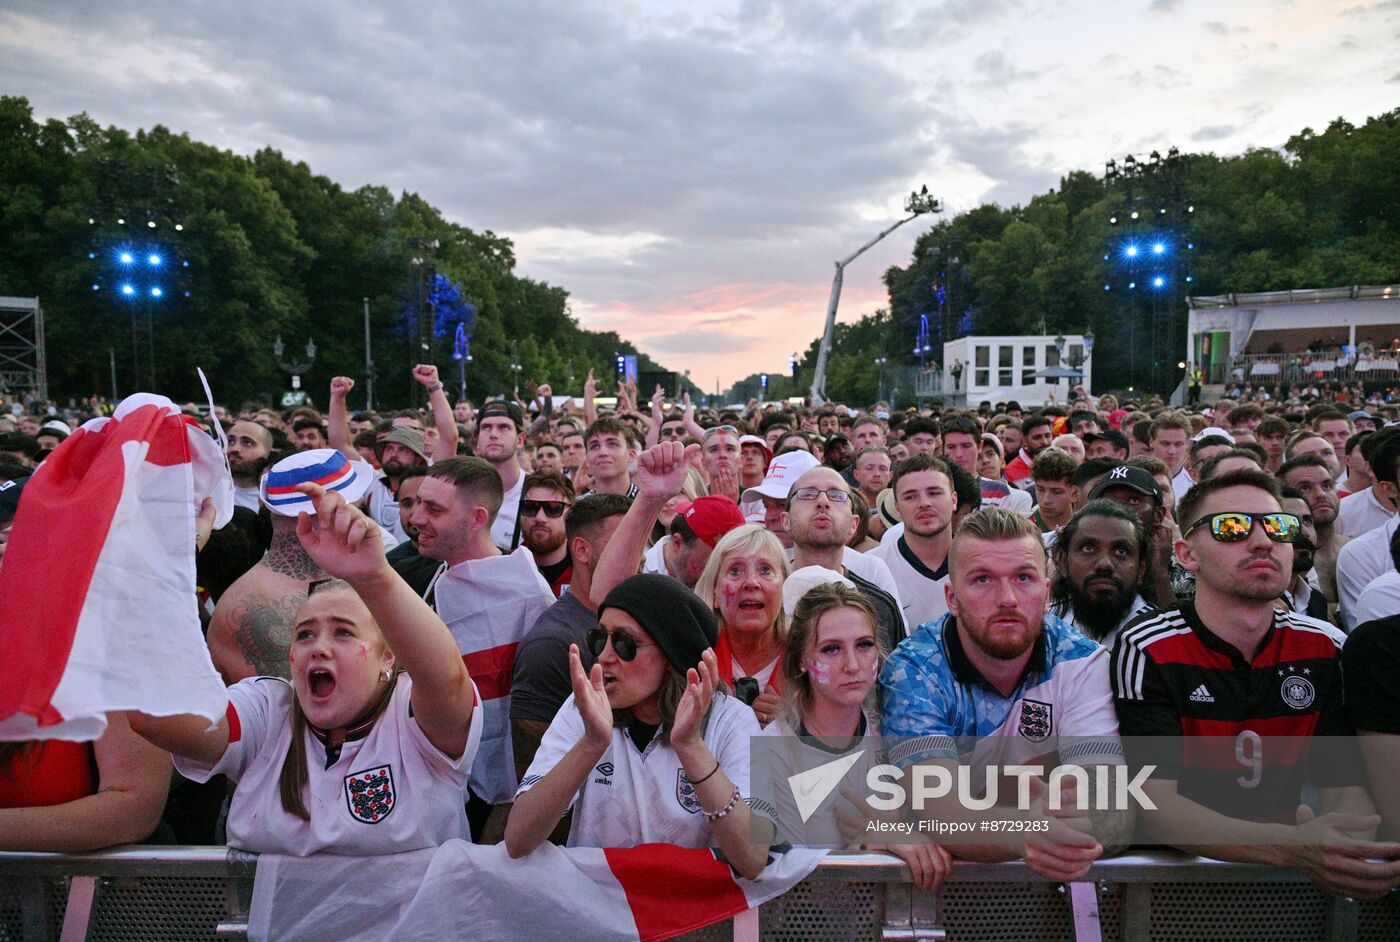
1201,695
810,788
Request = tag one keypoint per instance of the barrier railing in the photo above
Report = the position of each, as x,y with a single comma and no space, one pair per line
202,893
1302,368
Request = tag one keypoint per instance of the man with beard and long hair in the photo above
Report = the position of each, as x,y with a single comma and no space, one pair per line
249,453
1101,559
1300,596
1242,678
545,498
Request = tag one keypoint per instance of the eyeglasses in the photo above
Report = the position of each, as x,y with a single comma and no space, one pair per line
552,508
1235,527
720,428
624,645
674,431
835,495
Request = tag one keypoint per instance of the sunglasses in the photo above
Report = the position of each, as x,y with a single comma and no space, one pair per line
552,508
835,495
673,432
720,428
624,645
1234,527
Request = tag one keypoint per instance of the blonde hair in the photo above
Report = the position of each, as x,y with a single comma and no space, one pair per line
995,524
747,540
816,602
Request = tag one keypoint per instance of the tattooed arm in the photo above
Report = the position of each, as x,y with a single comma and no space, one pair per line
250,636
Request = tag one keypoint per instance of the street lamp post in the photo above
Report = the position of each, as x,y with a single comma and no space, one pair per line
294,369
916,205
880,362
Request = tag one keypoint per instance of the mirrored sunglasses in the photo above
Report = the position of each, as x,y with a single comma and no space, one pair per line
1235,527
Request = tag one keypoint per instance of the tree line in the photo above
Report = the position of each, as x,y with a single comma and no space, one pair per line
272,249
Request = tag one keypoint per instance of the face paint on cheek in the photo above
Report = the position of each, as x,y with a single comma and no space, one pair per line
364,650
820,672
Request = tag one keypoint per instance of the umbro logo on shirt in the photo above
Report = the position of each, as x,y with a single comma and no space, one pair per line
1201,695
605,769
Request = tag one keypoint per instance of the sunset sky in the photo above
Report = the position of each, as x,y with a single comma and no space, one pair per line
690,171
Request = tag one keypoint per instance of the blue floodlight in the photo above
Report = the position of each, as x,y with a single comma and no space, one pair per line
153,258
1188,277
1132,285
1107,287
1105,258
128,290
1158,282
92,255
763,380
1131,251
125,258
1158,248
156,292
96,287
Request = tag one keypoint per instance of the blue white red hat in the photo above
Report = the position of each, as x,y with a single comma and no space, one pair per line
324,466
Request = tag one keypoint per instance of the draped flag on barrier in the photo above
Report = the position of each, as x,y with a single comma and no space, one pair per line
100,609
469,891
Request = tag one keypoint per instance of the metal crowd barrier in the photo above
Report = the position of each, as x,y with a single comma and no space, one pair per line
174,894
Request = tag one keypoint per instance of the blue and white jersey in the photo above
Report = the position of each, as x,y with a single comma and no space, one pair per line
938,706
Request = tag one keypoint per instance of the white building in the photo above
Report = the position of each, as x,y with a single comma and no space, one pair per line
1033,370
1272,337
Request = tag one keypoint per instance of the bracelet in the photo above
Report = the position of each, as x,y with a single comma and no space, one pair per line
434,388
716,815
708,777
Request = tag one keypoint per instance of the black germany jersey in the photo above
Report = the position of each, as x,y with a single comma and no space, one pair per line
1247,727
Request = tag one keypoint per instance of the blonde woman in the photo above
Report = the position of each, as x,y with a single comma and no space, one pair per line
830,662
743,585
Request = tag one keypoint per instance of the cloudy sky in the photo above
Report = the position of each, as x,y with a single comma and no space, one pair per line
690,171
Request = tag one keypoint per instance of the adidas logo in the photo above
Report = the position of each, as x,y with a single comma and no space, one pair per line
1201,695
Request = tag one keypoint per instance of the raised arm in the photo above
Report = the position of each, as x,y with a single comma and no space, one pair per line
443,419
348,545
338,418
658,400
590,395
660,474
692,428
537,811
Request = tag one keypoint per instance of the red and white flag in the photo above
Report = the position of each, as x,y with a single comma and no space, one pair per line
98,606
471,891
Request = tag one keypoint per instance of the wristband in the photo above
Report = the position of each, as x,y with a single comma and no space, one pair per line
716,815
434,388
708,777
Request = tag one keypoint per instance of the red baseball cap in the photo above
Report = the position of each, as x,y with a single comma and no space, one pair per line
712,517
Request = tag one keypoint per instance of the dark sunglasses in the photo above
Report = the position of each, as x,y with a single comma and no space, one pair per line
1235,527
551,508
673,432
624,645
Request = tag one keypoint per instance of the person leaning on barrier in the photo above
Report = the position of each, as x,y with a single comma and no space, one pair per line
378,726
649,748
998,666
1230,666
830,662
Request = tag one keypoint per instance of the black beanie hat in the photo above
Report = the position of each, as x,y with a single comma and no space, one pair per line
680,624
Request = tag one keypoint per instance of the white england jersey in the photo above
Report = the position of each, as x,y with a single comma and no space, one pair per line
920,588
643,796
389,791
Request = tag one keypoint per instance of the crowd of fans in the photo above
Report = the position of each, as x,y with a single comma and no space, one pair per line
554,620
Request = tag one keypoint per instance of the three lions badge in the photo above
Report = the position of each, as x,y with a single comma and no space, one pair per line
1036,720
370,794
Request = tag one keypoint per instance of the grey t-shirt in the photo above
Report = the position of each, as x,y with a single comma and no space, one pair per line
540,683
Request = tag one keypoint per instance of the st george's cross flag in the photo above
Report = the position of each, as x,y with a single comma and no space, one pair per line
478,892
99,607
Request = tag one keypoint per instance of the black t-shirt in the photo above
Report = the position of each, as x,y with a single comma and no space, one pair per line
417,571
1173,677
559,574
1371,665
540,683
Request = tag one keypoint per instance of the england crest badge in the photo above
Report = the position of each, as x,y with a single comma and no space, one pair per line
1036,720
685,793
369,794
